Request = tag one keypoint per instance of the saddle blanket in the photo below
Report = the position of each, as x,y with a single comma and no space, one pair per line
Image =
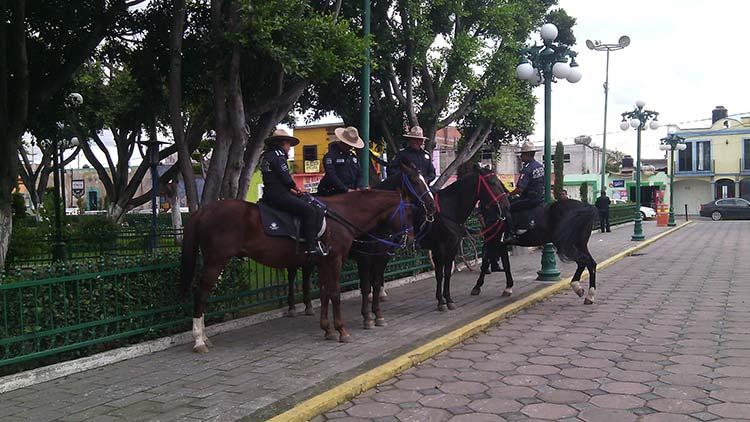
279,223
528,219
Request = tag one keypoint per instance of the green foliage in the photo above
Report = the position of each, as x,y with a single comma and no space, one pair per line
583,190
564,23
18,205
614,161
559,164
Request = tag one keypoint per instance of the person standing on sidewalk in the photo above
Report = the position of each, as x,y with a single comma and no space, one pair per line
602,204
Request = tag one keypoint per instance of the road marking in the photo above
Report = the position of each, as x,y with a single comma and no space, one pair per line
327,400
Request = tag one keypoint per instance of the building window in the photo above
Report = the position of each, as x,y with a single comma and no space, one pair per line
685,159
310,152
746,155
487,154
703,155
566,158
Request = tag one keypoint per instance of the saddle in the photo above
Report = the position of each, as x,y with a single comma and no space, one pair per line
528,219
277,223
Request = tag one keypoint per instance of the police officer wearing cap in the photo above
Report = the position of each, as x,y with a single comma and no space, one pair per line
280,191
530,188
343,172
414,153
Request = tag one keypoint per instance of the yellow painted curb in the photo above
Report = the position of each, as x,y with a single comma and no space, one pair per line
361,383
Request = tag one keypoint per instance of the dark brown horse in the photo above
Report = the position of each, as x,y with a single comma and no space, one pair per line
567,224
442,237
233,228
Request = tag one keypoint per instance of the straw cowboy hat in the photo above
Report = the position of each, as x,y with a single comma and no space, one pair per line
528,147
415,133
280,135
350,136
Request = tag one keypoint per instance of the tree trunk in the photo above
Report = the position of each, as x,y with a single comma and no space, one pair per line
472,146
236,120
174,203
6,228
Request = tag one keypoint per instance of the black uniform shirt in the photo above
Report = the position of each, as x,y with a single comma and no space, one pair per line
275,170
419,157
342,172
531,181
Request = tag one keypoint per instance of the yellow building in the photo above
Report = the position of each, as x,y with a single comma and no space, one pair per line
716,163
307,166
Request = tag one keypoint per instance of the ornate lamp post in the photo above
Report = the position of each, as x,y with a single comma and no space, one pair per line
638,119
547,63
59,251
597,45
671,143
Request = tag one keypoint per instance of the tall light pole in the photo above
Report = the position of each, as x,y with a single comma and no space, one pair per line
365,83
597,45
638,119
671,143
547,63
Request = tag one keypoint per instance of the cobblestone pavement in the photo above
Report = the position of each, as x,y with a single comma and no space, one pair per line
668,340
259,371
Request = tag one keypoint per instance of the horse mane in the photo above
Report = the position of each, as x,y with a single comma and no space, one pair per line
451,195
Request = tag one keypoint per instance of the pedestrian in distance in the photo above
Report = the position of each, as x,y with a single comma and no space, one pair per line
602,204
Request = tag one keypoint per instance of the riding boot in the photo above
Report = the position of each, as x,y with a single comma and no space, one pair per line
509,230
311,234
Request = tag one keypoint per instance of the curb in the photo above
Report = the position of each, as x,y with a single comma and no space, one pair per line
330,399
63,369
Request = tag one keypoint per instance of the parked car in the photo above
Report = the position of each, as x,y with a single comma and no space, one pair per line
646,212
726,209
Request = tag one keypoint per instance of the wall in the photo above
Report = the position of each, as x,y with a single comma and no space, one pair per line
317,135
693,192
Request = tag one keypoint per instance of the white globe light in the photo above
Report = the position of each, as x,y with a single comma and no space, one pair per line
640,103
575,75
624,125
76,98
549,32
664,147
635,123
525,71
682,147
671,129
653,125
561,70
74,141
537,79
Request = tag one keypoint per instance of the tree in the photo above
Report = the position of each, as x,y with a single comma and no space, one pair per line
41,46
559,170
614,160
584,192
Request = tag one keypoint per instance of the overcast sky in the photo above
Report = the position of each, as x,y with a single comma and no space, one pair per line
685,58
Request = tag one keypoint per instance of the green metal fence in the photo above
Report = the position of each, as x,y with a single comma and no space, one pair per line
618,214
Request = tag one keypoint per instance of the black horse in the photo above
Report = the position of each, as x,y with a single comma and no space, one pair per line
567,224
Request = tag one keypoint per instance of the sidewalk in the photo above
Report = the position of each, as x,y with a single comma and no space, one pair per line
262,370
667,341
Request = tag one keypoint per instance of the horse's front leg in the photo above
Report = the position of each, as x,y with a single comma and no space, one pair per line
291,274
591,266
378,285
575,282
307,270
364,270
437,260
447,283
330,270
506,269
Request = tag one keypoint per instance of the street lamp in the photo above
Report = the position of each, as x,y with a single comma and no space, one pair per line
59,251
671,143
545,64
638,119
597,45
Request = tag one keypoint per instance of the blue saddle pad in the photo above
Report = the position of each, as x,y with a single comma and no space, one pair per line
279,223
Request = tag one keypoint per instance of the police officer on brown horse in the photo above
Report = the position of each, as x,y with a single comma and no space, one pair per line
343,173
280,191
530,189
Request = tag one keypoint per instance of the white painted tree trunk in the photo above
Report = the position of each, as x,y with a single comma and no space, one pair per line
174,202
6,228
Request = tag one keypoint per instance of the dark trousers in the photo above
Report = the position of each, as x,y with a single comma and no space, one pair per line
604,220
284,200
519,204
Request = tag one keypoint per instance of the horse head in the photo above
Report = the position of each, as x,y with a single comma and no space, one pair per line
490,190
416,187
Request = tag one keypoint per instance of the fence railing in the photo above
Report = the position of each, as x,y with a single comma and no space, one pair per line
618,214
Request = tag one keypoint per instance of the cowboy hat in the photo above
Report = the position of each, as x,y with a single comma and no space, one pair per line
528,147
280,135
415,132
350,136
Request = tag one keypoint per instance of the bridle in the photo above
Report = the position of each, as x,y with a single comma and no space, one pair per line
491,231
405,182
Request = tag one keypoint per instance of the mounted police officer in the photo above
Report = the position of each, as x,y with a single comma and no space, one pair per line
530,189
343,172
280,191
414,153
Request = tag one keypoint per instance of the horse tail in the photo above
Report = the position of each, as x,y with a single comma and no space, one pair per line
573,232
189,255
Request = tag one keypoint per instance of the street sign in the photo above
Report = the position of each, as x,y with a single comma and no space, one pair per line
78,188
618,183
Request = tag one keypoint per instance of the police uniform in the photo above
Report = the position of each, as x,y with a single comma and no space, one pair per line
419,157
276,185
531,183
342,171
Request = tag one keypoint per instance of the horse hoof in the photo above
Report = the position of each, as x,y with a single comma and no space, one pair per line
345,338
291,313
506,293
384,298
580,292
475,291
380,322
330,336
309,311
368,325
588,301
200,349
442,308
451,306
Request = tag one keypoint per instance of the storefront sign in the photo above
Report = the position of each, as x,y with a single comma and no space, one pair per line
78,188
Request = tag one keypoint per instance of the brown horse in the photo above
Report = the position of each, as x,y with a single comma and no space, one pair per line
233,228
